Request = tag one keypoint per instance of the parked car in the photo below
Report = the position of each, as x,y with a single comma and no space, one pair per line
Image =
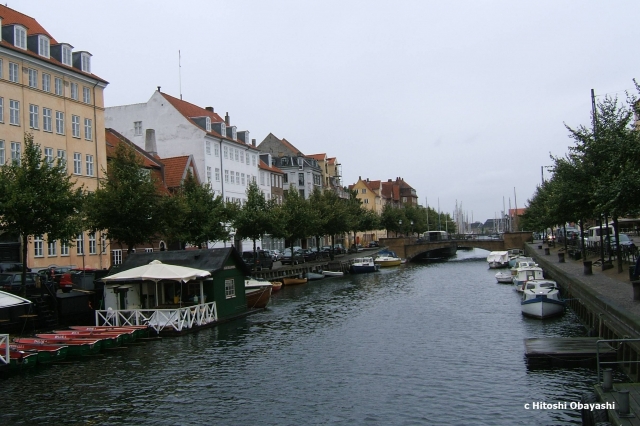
11,281
374,244
12,267
625,241
325,249
277,254
309,255
58,276
338,249
257,261
292,257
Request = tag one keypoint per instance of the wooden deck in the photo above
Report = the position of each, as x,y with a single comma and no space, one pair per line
566,351
613,396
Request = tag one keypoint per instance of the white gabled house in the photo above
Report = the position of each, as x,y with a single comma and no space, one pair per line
223,156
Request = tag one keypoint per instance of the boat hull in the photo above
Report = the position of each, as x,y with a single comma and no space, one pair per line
388,263
275,286
504,278
333,273
258,298
294,281
46,354
542,307
363,269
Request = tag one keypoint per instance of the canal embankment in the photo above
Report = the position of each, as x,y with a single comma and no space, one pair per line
603,300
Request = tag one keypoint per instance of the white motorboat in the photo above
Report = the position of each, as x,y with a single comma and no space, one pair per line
526,272
332,273
498,259
541,299
387,258
504,277
362,265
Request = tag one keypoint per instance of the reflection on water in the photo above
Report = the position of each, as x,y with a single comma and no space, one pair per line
419,344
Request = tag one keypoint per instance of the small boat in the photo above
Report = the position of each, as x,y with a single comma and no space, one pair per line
498,259
120,336
77,347
47,354
541,299
139,331
526,272
515,261
107,341
258,293
387,259
363,265
332,273
294,281
275,286
313,276
19,360
504,277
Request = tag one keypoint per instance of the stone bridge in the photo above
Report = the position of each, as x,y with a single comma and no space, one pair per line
408,248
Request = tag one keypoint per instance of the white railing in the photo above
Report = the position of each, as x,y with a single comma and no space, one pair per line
4,355
177,319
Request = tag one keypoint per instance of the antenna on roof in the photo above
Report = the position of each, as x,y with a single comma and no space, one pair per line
180,74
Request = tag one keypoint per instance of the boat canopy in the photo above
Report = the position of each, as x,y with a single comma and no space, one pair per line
8,299
498,256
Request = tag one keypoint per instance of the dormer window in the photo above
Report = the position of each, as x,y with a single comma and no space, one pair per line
234,134
223,130
20,37
208,124
66,54
86,62
43,46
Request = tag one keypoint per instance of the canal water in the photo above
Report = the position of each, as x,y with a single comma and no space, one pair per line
415,345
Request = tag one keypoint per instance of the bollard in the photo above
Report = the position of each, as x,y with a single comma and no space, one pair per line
561,257
623,399
546,250
588,270
607,379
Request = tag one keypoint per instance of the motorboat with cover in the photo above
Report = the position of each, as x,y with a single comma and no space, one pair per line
498,259
541,299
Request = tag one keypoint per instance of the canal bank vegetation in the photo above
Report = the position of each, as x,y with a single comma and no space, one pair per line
598,180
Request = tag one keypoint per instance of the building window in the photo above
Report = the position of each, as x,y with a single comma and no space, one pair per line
14,112
247,156
137,128
363,190
242,156
51,248
209,174
48,155
366,201
301,192
33,78
207,146
236,154
75,126
103,243
13,72
1,110
33,116
60,122
46,82
242,176
86,62
217,174
226,176
58,86
208,123
43,46
15,152
226,152
89,164
77,163
301,179
46,119
253,160
38,246
86,95
1,68
62,157
74,91
233,177
261,178
238,178
20,37
66,55
2,154
229,289
88,126
216,150
92,243
116,256
80,244
64,248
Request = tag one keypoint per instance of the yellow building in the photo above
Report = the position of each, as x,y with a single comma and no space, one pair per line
47,89
370,193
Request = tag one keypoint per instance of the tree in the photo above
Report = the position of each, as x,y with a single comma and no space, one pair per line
253,218
203,216
127,205
37,198
392,218
294,218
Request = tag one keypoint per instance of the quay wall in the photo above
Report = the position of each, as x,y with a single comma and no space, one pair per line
602,316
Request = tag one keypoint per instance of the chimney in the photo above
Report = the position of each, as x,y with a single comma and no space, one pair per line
150,142
359,177
227,119
210,109
253,142
158,88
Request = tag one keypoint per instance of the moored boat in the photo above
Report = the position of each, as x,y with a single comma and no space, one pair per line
332,273
363,265
119,336
504,277
313,276
76,347
257,293
293,281
498,259
526,272
275,286
47,354
19,360
387,259
139,331
541,299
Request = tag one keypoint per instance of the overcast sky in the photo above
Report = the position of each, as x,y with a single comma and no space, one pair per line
463,99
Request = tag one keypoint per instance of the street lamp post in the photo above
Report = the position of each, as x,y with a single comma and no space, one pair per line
411,229
399,226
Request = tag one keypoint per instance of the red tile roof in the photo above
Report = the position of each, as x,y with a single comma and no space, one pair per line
175,170
189,110
290,146
273,169
10,16
318,157
331,160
